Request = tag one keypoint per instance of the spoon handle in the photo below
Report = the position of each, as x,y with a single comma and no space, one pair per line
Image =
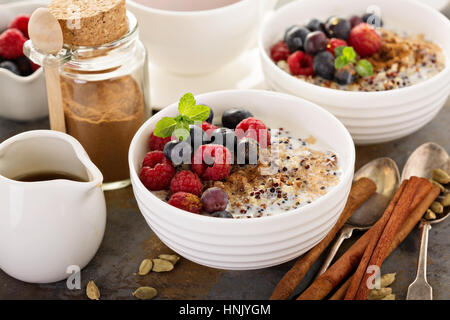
420,289
345,233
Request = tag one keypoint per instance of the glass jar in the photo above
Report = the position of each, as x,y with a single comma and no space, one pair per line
105,95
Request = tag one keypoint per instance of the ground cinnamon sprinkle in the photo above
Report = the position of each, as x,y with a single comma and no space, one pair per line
104,116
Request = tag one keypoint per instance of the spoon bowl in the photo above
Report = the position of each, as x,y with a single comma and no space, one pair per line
384,172
422,161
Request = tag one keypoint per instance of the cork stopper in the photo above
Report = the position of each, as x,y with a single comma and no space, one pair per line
90,22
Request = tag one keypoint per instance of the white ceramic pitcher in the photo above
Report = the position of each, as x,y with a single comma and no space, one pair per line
48,228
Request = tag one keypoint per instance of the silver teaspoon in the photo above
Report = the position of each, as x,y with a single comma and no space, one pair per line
420,163
385,174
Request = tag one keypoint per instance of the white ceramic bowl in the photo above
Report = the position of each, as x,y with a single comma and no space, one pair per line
251,243
196,42
21,98
371,117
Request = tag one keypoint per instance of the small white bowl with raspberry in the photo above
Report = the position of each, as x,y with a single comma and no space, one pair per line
389,82
22,83
189,216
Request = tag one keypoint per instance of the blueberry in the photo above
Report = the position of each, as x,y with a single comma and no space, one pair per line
294,37
315,41
315,25
178,152
232,117
11,66
225,137
324,65
372,19
338,28
197,137
247,151
211,116
222,214
214,199
24,66
345,75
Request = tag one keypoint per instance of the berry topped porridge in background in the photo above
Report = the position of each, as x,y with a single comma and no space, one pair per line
240,168
356,54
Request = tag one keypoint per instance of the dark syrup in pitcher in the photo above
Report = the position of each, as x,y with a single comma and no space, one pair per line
48,176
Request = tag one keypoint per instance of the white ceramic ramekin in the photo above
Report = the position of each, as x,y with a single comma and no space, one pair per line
371,117
21,98
251,243
197,42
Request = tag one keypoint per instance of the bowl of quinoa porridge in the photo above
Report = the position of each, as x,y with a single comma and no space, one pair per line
280,206
406,85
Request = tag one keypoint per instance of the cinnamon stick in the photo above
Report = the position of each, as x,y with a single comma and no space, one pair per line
401,235
376,232
323,285
361,190
340,293
414,218
415,192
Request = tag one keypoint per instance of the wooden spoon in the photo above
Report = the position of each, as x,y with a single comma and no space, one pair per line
46,35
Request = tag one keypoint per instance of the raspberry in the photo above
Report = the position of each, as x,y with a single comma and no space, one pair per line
208,127
212,162
186,181
255,129
21,23
186,201
11,44
365,40
301,63
333,43
156,171
156,143
279,51
34,66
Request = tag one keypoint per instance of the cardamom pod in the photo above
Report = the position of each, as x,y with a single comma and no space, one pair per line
389,297
378,294
170,257
446,201
160,265
438,184
145,293
92,291
430,215
387,279
145,267
440,176
437,207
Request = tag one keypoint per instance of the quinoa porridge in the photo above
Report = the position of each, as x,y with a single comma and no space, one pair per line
355,55
402,61
300,173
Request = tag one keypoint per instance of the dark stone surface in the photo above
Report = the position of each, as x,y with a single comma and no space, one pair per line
128,240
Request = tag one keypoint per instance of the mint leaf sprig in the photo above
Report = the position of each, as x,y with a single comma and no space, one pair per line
345,55
190,112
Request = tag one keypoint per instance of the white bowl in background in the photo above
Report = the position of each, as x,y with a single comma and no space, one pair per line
21,98
259,242
198,42
371,117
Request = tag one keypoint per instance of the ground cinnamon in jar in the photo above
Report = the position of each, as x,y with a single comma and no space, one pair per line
104,116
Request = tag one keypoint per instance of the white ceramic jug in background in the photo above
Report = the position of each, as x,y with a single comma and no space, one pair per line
47,227
197,42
